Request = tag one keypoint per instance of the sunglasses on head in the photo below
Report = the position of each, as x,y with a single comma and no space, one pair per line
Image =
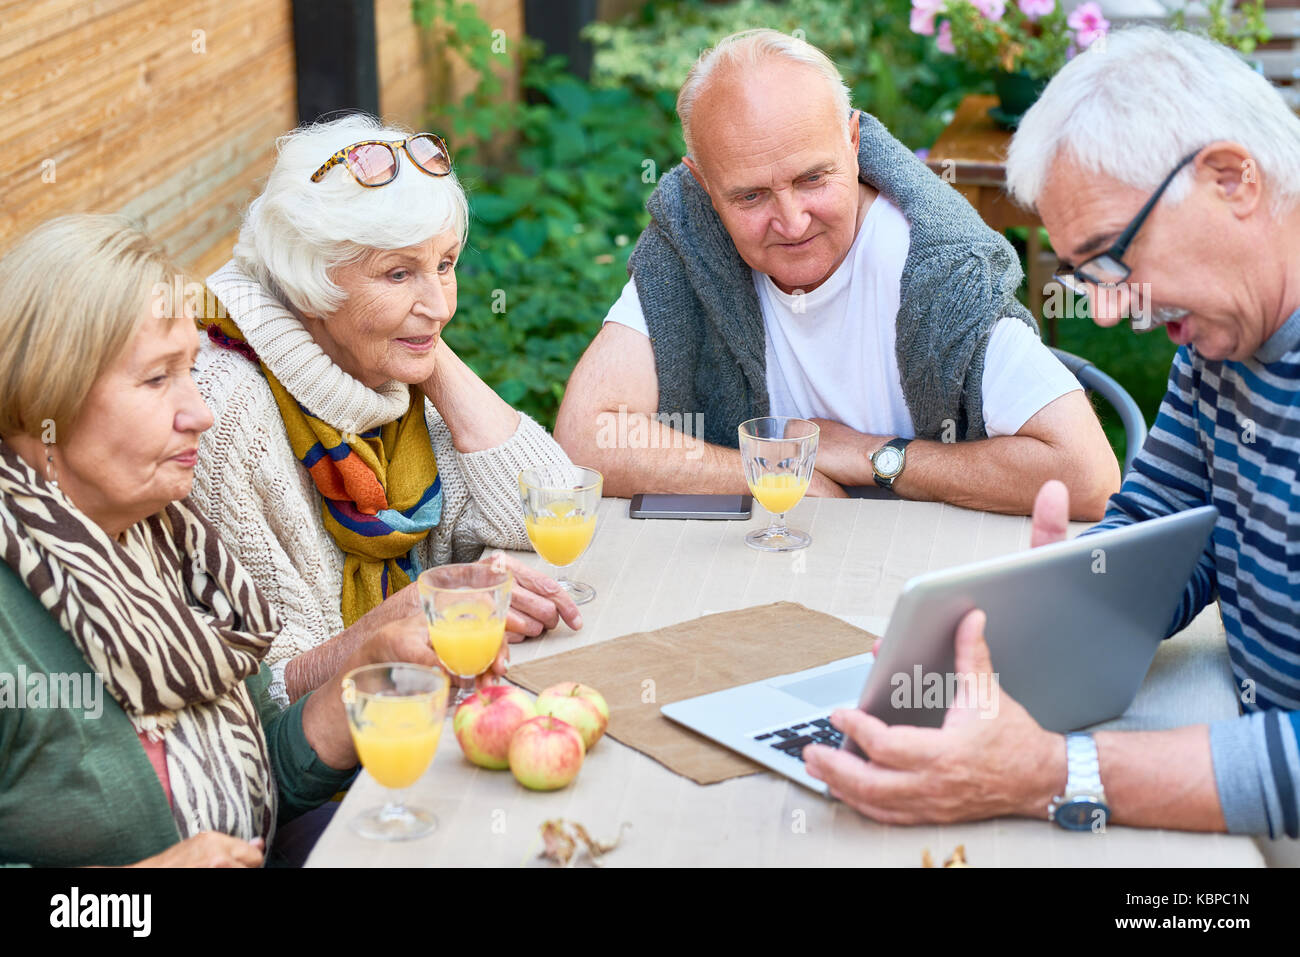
374,162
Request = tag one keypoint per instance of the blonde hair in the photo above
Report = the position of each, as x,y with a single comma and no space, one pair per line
750,48
73,292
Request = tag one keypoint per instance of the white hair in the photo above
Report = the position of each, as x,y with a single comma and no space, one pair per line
297,232
751,48
1141,99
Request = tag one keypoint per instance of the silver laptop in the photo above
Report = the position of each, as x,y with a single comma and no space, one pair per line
1072,628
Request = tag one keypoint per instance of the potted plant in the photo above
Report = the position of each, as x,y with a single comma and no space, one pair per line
1020,44
1242,29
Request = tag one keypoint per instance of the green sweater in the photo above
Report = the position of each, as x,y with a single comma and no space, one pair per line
77,789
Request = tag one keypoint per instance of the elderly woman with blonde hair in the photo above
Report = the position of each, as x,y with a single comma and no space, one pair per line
135,723
352,447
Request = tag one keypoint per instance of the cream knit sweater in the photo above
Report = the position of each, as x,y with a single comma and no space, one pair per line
265,505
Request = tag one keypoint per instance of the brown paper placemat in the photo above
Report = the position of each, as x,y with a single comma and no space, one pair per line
638,673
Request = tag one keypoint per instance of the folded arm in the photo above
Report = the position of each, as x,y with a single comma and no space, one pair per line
1003,474
608,421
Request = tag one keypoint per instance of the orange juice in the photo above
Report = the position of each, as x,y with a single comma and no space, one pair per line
561,538
397,740
468,637
779,493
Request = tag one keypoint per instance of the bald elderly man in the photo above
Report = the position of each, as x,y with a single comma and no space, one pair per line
1162,167
803,262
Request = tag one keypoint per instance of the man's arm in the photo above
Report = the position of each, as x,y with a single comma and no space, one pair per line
1237,775
607,422
977,767
1063,440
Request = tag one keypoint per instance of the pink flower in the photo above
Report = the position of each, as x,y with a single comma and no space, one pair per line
923,14
991,9
1034,9
1087,22
944,40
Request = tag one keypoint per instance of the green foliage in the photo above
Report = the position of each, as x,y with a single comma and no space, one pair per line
553,217
1012,44
891,72
1242,30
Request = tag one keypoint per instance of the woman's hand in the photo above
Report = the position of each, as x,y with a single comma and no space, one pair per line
312,669
475,415
537,601
407,639
324,720
209,849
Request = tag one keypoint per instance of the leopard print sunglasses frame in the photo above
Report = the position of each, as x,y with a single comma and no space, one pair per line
436,162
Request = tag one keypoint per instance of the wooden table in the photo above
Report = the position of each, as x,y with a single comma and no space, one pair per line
971,154
648,574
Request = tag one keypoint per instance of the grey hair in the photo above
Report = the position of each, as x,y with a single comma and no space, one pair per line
1138,101
296,233
749,48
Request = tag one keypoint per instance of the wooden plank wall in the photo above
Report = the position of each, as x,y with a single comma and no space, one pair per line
121,106
414,71
168,110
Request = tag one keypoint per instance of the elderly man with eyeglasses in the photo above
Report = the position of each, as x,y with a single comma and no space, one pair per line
1158,163
1162,163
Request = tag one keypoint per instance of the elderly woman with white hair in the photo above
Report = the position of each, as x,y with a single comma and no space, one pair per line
352,447
1167,173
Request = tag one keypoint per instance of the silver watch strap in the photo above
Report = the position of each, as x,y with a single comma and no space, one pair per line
1082,773
1083,767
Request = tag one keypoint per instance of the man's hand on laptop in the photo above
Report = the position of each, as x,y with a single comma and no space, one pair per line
990,758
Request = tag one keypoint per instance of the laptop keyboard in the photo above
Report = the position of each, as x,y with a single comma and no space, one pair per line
794,739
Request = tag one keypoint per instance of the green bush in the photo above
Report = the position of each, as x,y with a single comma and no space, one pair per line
552,228
891,72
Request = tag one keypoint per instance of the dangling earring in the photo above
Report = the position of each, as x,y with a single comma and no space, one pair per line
51,473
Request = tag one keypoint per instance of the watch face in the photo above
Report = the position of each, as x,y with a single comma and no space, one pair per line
1083,814
889,461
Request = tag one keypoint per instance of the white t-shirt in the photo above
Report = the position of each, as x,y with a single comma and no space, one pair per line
830,352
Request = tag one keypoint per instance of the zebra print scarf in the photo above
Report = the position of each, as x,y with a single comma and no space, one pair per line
172,624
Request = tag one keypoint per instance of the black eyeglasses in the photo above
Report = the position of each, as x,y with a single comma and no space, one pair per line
1108,268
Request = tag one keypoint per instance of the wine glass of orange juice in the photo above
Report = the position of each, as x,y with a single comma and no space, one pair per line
778,454
465,607
560,503
395,713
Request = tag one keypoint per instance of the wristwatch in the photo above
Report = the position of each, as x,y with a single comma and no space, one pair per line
888,461
1083,806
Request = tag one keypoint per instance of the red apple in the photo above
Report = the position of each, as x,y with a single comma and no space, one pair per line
487,719
546,753
580,706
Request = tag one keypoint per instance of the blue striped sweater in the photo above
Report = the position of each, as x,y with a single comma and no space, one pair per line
1228,435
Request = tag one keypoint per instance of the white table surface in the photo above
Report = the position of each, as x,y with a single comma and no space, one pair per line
648,574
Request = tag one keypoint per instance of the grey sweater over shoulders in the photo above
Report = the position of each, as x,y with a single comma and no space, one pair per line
706,324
